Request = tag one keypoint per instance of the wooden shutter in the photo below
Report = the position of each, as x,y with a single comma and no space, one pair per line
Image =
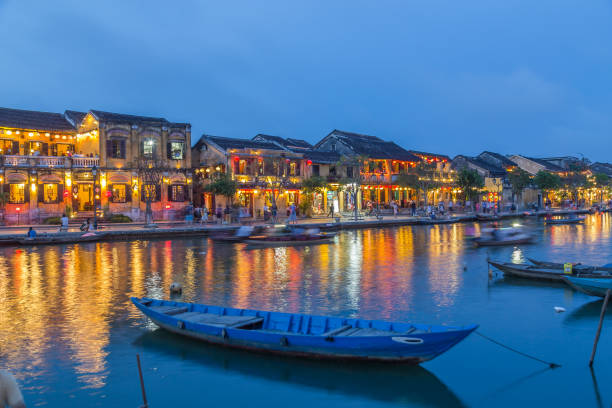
15,149
109,148
45,149
41,193
123,154
60,193
158,193
169,150
26,193
128,192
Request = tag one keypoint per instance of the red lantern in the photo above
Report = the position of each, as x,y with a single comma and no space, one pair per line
109,194
309,162
66,193
236,158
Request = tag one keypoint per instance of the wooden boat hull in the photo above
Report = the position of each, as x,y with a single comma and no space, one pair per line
590,286
565,221
61,239
298,335
479,242
481,217
296,242
539,273
577,266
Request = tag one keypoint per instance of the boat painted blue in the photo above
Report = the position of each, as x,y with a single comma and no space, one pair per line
590,286
304,335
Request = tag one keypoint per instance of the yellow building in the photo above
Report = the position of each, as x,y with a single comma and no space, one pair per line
53,163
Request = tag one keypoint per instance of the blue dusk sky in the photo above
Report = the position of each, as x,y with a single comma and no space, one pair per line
454,77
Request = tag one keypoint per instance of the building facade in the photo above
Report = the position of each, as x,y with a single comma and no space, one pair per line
76,162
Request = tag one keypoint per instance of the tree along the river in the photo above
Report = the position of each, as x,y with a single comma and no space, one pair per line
310,186
519,179
470,182
222,185
355,169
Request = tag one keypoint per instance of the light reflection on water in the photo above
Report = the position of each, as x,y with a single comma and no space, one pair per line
65,310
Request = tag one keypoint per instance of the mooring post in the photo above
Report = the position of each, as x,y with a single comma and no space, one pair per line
142,387
601,317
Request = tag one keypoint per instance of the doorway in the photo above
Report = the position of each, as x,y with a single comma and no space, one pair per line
83,197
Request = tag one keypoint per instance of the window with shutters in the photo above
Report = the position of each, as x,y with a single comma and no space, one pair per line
115,148
176,150
17,193
177,192
62,149
50,193
120,193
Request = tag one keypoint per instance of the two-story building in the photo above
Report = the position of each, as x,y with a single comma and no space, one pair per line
383,162
54,163
266,172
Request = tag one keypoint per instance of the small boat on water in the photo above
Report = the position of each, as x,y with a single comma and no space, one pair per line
502,236
576,266
291,236
239,235
487,217
303,335
590,286
561,221
62,238
543,273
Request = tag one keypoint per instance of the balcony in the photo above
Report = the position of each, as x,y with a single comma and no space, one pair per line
49,161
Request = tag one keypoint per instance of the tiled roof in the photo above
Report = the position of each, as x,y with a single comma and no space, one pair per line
318,156
493,170
503,159
288,143
120,117
34,120
75,117
373,147
549,166
605,168
235,143
427,154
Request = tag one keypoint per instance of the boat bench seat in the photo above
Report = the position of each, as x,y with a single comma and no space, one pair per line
170,310
364,332
211,319
336,331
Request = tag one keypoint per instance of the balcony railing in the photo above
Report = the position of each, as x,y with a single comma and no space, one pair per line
49,161
85,161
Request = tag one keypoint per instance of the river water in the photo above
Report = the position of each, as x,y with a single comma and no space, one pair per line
70,334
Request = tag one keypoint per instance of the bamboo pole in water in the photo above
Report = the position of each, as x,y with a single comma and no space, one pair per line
142,387
601,317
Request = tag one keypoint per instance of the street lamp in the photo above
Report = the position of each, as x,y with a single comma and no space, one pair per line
94,171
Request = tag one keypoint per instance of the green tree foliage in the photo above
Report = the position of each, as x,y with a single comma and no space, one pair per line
470,182
421,181
355,178
519,179
310,186
603,182
223,185
547,181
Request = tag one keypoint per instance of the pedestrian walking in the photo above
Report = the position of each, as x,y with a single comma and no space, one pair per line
413,209
204,217
64,226
292,214
219,214
394,206
274,213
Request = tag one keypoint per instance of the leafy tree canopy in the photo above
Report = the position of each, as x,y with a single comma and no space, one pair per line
547,181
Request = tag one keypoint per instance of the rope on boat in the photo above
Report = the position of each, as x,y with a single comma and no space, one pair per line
551,365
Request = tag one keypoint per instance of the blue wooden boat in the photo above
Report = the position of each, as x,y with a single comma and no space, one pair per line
304,335
590,286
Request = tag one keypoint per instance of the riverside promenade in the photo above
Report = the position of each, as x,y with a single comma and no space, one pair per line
169,229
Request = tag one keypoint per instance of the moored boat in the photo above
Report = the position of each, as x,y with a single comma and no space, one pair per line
576,266
70,238
239,235
502,236
590,286
303,335
542,273
291,236
561,221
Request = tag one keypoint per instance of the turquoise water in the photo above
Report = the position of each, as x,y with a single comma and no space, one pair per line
70,334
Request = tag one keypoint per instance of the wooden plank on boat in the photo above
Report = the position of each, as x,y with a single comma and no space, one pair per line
365,332
337,331
219,320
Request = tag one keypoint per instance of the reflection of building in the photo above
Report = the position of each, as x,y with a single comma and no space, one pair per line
265,172
54,163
